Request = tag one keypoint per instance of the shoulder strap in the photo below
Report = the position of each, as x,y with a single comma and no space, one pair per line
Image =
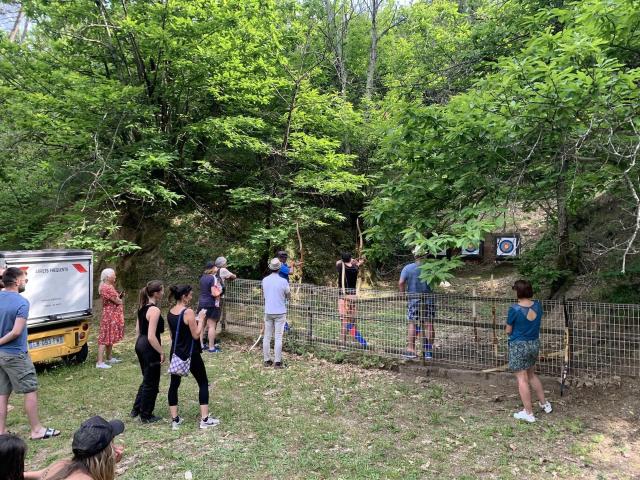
343,278
178,323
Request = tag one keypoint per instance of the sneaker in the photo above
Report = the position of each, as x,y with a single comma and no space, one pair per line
546,407
103,365
278,365
114,360
209,422
134,413
151,419
268,363
175,424
409,356
523,415
215,349
428,355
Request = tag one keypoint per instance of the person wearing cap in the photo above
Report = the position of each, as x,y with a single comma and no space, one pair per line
276,291
94,454
209,300
225,276
285,269
420,307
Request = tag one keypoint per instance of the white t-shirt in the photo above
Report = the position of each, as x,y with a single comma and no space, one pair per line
275,290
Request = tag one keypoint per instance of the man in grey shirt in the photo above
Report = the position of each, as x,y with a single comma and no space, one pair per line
275,290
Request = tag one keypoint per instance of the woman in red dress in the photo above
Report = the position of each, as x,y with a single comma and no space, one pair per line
112,321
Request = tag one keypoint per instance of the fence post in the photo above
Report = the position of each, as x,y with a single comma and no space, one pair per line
309,325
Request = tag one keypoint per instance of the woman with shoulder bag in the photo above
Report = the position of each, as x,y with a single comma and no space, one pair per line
186,355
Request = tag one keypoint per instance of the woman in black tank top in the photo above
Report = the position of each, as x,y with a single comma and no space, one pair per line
149,326
185,343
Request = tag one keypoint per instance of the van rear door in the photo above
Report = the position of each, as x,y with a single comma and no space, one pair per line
60,282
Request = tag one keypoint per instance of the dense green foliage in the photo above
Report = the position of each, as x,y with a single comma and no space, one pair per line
433,120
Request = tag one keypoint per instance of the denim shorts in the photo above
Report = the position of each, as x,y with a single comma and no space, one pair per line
523,354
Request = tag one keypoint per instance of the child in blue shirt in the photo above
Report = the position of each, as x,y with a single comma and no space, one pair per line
523,327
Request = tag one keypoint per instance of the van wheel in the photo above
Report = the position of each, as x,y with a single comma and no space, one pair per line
78,357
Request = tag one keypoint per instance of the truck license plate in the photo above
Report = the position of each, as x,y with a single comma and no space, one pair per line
46,342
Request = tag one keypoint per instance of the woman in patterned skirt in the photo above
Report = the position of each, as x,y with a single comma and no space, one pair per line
112,321
523,327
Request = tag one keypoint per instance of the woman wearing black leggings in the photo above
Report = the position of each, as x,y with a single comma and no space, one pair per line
149,351
186,327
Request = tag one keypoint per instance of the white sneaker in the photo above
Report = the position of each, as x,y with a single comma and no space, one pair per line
102,365
546,406
114,360
209,422
176,425
523,415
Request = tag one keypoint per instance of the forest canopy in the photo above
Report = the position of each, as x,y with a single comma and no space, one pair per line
433,121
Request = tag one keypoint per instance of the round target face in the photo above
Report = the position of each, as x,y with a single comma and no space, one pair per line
506,246
470,249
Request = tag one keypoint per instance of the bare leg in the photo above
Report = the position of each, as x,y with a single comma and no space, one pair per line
173,411
431,333
343,320
101,353
523,389
108,349
204,411
536,384
212,327
4,402
31,407
411,337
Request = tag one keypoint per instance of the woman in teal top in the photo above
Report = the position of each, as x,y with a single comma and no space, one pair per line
523,327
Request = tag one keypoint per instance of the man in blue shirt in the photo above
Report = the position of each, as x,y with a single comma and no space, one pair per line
420,308
17,373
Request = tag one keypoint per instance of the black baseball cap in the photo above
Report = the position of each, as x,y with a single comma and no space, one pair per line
210,264
281,253
95,435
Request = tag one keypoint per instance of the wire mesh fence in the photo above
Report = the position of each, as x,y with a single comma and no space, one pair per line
600,339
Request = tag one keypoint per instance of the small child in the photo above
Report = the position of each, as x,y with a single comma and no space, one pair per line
12,453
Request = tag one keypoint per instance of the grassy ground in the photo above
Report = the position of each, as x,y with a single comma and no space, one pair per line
317,419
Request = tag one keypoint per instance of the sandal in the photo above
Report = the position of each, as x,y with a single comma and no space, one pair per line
48,433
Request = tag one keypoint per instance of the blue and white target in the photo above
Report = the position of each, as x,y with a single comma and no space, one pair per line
507,247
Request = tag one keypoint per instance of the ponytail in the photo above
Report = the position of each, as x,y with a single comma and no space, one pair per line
154,286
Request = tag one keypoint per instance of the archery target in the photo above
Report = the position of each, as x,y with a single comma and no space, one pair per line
507,247
472,250
441,254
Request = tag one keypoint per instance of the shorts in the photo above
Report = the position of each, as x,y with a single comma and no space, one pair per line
523,354
17,373
347,306
213,313
419,310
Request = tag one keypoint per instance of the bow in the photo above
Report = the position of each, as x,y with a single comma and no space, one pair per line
359,248
301,253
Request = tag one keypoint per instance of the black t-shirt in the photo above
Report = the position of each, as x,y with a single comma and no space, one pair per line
185,340
143,323
350,278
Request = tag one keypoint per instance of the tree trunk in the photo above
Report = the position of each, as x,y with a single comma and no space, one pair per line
566,260
373,50
16,26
